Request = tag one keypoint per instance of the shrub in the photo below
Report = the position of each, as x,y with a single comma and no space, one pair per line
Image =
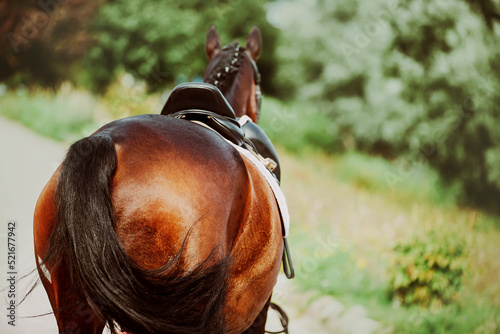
428,270
416,80
164,44
299,126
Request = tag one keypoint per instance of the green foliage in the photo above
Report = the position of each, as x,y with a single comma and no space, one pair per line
463,318
409,80
298,126
331,268
126,97
448,117
160,43
380,175
488,9
164,43
428,270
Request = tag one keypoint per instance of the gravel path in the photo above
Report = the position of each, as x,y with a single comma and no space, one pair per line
27,163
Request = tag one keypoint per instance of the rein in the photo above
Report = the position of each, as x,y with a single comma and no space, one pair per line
283,319
258,92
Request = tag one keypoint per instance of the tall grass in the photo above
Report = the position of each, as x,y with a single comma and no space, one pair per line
346,221
65,116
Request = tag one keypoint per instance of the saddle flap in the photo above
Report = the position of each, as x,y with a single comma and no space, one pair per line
200,96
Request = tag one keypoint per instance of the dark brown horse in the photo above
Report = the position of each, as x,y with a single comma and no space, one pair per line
155,224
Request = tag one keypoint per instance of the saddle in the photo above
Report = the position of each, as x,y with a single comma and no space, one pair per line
205,103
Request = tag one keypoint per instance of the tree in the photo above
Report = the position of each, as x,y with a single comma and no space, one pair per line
43,39
164,43
90,42
416,81
487,9
443,56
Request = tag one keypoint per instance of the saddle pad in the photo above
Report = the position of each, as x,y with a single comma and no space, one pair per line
273,183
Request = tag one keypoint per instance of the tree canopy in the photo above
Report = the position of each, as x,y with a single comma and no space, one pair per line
43,39
48,41
416,81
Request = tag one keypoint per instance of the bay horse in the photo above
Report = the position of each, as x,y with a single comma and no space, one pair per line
155,224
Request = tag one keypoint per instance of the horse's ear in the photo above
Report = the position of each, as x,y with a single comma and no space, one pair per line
213,42
254,42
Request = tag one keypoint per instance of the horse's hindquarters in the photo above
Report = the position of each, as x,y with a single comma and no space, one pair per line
176,185
195,183
175,182
257,250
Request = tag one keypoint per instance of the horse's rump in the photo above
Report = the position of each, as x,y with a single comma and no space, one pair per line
154,211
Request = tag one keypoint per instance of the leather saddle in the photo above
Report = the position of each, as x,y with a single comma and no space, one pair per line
205,103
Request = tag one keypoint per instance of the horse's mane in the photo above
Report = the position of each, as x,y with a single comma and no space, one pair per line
227,67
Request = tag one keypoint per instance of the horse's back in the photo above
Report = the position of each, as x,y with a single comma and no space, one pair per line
174,181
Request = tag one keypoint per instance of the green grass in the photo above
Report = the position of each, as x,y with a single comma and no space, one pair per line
356,274
342,271
301,127
463,318
346,222
66,116
380,175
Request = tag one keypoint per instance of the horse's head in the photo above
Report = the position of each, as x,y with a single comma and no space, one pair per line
233,70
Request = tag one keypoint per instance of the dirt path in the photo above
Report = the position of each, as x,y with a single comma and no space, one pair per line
28,161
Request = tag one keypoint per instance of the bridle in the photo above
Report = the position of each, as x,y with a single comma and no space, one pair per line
256,75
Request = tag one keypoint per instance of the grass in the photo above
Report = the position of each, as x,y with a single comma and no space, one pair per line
453,319
348,211
379,175
344,231
70,114
65,116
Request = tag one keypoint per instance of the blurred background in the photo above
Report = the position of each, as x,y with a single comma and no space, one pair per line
386,115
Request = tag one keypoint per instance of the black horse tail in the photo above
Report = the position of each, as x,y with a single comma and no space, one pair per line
166,300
